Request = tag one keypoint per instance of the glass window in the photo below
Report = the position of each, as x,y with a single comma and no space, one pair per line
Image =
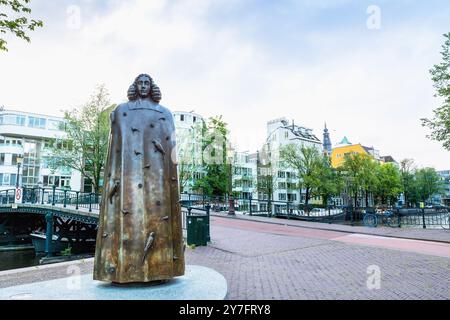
282,196
12,179
36,122
6,177
182,117
2,158
14,159
55,125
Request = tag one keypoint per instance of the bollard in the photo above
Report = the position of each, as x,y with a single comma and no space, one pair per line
65,198
90,202
49,234
76,204
53,196
43,191
287,209
423,219
250,206
329,214
208,208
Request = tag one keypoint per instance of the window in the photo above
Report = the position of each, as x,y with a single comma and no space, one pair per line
2,158
36,122
14,159
181,117
281,174
6,178
282,196
55,125
12,119
286,135
65,181
281,185
292,197
194,119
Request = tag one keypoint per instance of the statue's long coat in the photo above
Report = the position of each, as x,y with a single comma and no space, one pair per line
140,235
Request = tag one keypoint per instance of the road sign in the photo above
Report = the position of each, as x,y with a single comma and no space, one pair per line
18,195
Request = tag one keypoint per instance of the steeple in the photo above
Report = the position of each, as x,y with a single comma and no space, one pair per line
326,141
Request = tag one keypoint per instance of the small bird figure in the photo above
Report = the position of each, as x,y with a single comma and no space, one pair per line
134,130
166,218
148,166
113,191
159,147
125,212
148,245
137,153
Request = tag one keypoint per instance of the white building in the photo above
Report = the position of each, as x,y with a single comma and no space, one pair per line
279,134
27,136
188,127
244,178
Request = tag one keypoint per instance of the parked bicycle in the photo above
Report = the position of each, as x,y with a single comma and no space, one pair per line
388,217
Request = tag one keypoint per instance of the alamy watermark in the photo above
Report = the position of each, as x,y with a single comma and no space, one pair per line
374,20
374,279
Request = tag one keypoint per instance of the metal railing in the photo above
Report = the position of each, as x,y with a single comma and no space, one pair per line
203,204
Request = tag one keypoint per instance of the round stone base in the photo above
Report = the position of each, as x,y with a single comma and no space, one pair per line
198,283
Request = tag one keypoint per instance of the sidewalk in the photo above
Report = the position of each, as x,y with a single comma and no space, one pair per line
439,235
262,262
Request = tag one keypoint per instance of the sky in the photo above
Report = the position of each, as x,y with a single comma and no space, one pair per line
361,67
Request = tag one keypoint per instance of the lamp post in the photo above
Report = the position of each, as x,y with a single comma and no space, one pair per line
19,163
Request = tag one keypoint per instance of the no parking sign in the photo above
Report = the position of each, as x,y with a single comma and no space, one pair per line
18,195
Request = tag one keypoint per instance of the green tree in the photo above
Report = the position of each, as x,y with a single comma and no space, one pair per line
369,177
16,21
389,183
409,186
188,164
87,131
351,170
216,162
307,162
428,183
267,177
440,123
331,182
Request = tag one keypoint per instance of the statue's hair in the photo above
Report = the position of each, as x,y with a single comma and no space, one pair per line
155,92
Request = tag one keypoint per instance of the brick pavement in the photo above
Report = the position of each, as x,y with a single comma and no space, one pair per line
406,233
262,265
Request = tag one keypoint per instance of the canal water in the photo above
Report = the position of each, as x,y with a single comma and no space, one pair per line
18,259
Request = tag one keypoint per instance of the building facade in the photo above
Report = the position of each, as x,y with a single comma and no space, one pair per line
284,180
445,197
28,136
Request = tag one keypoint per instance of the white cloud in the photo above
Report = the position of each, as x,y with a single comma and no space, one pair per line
372,87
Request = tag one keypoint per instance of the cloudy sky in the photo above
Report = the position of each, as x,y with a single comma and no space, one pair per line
360,66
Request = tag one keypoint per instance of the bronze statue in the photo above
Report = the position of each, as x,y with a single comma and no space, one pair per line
140,235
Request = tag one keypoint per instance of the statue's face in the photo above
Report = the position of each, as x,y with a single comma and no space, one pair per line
143,86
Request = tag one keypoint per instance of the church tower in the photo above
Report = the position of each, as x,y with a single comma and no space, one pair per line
326,142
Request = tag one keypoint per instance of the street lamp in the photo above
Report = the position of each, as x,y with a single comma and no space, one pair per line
19,163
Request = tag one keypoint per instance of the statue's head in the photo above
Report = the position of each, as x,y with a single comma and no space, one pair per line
144,88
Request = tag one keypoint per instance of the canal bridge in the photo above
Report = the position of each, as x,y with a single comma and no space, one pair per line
54,219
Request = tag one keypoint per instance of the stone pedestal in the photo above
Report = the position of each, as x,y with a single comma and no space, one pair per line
199,283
